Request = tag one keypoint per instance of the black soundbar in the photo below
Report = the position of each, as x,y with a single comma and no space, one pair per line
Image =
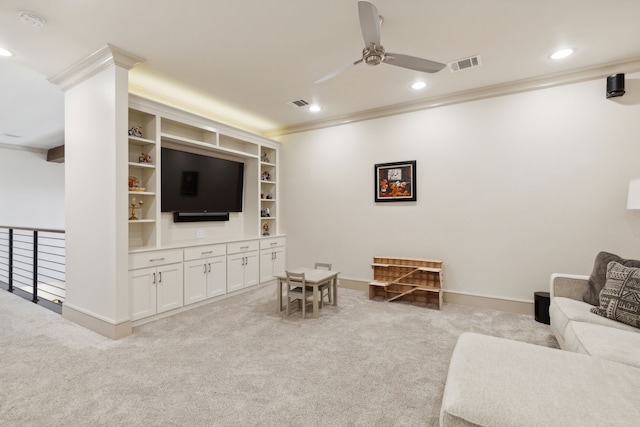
200,216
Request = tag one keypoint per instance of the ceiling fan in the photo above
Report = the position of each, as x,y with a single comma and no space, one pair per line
374,53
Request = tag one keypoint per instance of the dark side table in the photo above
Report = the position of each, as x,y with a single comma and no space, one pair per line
541,301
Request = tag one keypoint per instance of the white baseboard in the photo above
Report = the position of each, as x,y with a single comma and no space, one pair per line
452,297
100,326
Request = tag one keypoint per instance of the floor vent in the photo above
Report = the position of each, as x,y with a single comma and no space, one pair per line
298,103
463,64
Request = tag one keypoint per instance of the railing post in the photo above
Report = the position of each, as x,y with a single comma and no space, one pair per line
35,266
11,260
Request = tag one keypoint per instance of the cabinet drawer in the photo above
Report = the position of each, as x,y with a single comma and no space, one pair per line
152,259
272,243
238,247
199,252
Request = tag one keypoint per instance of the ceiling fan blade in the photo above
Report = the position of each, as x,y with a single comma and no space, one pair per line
338,71
369,23
413,63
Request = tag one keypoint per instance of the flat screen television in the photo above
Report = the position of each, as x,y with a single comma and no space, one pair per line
195,183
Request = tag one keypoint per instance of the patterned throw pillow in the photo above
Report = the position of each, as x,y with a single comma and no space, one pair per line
599,273
620,297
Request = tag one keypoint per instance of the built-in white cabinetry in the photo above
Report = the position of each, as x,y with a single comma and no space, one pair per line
155,283
273,258
165,280
205,273
242,265
171,265
153,126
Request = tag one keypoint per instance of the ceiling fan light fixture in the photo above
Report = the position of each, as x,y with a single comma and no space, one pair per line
5,52
562,53
419,85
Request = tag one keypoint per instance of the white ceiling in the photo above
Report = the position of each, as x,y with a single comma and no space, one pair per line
243,60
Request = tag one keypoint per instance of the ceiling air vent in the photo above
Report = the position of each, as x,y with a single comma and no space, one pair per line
463,64
298,103
8,135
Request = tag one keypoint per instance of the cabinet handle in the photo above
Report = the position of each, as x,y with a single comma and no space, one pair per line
274,243
154,278
205,268
209,267
273,255
160,280
207,252
242,260
156,259
244,247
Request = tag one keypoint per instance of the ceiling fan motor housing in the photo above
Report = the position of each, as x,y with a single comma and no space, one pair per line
373,55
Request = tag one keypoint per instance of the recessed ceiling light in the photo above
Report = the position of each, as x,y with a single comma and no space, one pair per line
314,108
562,53
31,19
419,85
5,52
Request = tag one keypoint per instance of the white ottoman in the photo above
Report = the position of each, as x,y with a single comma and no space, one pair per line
498,382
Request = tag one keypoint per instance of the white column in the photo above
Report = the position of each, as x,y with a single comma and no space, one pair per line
96,173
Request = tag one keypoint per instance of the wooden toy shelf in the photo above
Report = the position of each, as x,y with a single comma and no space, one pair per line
407,279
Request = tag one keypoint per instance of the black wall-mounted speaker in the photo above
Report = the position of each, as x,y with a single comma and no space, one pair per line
615,85
200,216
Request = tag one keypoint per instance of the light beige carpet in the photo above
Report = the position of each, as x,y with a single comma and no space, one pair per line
238,362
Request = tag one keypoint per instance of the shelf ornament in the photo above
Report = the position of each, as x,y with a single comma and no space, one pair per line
136,131
135,206
144,158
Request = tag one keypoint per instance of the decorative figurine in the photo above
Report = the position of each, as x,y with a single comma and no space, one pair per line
135,206
264,158
136,131
265,229
266,176
145,158
134,184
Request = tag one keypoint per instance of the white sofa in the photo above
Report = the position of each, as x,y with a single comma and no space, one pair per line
579,330
593,380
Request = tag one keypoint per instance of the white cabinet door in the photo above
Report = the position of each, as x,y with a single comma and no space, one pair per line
266,265
169,287
216,276
195,281
243,270
279,261
272,262
142,293
251,269
235,272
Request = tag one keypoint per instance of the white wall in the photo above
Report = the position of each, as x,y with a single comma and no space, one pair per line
510,189
31,190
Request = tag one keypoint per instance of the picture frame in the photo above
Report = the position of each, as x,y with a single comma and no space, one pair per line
395,182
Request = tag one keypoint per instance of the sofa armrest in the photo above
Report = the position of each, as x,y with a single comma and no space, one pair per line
568,285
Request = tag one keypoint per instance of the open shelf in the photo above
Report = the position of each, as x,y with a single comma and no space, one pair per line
407,279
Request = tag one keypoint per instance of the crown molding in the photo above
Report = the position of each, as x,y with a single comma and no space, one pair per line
93,64
524,85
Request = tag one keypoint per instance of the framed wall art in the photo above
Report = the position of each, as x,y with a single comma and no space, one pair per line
395,182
